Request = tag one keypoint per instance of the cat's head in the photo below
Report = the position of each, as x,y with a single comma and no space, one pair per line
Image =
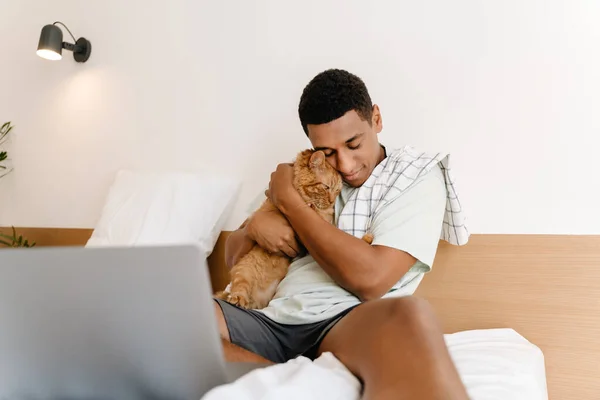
317,182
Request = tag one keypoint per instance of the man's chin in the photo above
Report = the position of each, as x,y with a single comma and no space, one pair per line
355,182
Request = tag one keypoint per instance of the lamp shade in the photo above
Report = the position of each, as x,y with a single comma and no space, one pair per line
51,43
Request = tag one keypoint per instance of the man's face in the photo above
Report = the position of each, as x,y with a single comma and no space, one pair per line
350,145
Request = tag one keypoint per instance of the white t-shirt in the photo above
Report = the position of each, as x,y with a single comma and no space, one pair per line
412,223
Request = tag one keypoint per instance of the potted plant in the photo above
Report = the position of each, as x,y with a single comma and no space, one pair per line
13,240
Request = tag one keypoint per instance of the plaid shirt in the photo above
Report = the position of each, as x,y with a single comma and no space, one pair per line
396,173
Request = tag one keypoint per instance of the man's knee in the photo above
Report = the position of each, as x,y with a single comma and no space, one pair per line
221,323
412,313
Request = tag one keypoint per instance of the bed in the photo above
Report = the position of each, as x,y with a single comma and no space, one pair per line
544,287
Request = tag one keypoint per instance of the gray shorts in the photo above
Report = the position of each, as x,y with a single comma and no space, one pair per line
254,331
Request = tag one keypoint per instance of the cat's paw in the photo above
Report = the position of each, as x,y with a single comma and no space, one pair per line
222,295
368,238
238,300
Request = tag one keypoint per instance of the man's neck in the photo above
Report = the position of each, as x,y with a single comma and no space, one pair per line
382,154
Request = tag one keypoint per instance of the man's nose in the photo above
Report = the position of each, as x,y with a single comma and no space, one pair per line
344,164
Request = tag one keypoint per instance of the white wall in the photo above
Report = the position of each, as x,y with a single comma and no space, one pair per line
510,88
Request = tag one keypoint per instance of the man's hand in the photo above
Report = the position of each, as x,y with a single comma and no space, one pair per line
272,231
269,229
281,189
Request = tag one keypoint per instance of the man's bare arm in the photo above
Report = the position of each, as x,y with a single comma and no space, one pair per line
364,270
238,245
269,229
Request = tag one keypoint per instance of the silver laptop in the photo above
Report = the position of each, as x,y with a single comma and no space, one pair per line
108,323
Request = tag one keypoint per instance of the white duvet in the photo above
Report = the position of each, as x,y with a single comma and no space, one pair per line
493,364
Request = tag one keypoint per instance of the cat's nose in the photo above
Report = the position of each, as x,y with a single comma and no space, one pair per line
332,197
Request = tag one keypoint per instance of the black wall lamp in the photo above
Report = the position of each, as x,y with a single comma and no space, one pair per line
51,44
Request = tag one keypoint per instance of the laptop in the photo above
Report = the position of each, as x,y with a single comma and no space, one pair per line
109,323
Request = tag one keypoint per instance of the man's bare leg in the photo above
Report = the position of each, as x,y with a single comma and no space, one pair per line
396,348
232,352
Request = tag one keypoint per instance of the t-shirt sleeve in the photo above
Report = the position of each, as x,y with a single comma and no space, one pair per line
413,221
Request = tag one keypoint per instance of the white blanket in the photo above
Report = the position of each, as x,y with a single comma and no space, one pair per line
493,364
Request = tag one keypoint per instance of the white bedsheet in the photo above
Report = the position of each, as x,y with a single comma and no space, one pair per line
493,364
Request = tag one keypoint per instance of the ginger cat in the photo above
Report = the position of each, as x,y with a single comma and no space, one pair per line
254,279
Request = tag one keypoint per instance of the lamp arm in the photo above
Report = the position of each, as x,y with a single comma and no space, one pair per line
71,47
74,40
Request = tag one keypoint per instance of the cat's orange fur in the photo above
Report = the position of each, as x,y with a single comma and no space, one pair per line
255,277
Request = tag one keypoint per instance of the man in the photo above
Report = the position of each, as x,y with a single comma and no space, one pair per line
331,300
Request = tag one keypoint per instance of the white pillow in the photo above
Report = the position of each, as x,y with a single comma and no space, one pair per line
498,364
144,208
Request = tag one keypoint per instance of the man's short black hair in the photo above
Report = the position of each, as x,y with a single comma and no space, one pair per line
330,95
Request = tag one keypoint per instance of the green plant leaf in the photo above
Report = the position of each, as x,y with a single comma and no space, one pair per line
4,131
5,127
14,240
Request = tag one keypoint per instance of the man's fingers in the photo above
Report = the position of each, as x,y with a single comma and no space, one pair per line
289,251
276,251
294,245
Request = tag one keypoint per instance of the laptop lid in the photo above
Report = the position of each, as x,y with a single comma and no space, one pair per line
107,323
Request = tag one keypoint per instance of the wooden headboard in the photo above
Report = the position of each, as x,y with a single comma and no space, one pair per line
545,287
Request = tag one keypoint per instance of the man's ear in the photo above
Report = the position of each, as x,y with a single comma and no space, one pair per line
317,159
376,119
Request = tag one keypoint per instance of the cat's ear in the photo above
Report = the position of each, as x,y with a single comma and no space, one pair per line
317,159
